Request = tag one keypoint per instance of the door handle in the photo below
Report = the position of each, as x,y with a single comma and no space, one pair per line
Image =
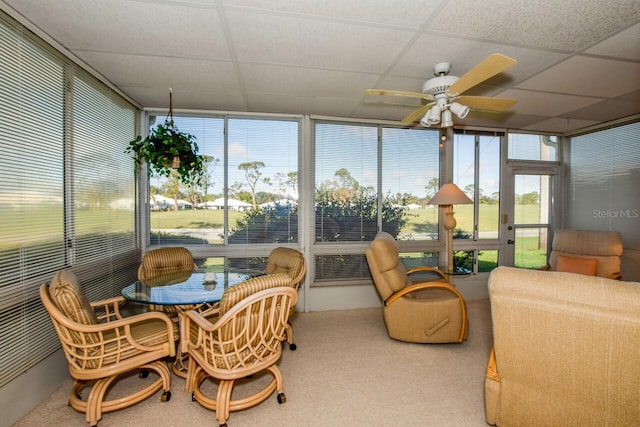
510,242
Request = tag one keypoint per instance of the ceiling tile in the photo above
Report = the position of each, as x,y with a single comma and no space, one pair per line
188,99
131,27
386,12
606,110
546,104
314,44
154,71
563,25
559,125
306,82
464,54
588,76
625,44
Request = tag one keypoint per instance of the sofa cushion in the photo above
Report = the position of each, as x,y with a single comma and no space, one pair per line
579,265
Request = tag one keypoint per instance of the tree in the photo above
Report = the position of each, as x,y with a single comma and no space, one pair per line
432,187
253,175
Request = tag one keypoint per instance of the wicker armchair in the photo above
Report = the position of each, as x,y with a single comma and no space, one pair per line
424,312
291,262
246,339
100,345
162,263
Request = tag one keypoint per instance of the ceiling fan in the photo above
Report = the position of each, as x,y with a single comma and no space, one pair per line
444,92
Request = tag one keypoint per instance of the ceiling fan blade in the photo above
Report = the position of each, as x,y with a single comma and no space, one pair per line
397,93
489,67
487,103
416,115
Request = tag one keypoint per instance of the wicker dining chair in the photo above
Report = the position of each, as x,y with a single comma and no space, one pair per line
100,345
245,340
292,263
160,263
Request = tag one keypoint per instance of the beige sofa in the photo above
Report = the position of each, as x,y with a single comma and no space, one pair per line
566,350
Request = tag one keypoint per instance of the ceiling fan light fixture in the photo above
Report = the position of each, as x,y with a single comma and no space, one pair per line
447,119
433,117
461,111
424,121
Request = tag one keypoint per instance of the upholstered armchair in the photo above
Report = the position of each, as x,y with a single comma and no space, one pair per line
244,340
422,312
100,345
565,350
292,263
588,252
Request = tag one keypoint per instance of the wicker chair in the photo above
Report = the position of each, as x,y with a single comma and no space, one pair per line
162,263
291,262
424,312
245,340
100,345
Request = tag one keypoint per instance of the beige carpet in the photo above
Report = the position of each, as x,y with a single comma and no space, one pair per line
346,371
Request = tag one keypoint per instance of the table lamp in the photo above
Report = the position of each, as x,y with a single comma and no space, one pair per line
449,195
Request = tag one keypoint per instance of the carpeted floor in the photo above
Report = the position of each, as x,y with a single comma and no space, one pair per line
346,371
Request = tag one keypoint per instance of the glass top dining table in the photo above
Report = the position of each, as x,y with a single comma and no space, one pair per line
186,288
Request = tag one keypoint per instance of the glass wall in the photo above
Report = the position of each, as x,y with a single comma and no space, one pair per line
603,191
369,178
250,191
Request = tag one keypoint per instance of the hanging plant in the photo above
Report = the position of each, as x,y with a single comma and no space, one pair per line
167,149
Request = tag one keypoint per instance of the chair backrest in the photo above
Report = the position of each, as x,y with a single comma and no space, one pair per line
69,309
238,292
165,260
289,261
603,246
389,273
249,337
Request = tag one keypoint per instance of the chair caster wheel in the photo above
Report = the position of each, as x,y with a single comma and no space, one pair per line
166,396
292,347
193,397
143,373
281,398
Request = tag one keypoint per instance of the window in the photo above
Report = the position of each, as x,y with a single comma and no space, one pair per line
366,180
533,147
476,171
67,191
250,194
603,177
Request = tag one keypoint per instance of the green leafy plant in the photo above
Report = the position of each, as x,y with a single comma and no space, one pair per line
167,149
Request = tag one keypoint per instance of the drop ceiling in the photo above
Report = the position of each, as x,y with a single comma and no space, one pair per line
578,60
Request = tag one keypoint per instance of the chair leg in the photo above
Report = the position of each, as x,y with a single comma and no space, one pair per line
95,405
289,330
223,400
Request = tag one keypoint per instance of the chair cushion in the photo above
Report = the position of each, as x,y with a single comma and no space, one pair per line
165,260
579,265
67,294
285,260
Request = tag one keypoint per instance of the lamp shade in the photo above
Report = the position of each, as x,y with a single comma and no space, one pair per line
450,194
